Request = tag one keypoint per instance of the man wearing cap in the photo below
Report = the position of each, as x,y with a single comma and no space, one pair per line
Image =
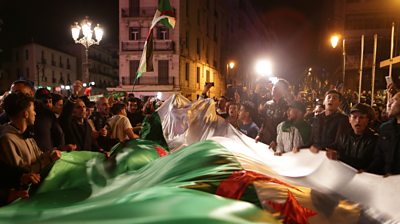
295,132
387,152
356,146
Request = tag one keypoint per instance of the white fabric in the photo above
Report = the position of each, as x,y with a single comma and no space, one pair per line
185,123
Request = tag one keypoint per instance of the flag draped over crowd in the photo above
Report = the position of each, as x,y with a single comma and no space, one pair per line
164,15
199,169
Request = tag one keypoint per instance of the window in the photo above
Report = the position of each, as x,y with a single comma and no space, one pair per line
163,70
134,7
68,65
187,8
198,75
53,62
187,71
133,67
61,79
26,54
53,77
198,46
61,64
134,33
215,33
162,33
187,40
207,76
27,72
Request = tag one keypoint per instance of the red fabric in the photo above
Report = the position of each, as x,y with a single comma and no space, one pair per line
237,183
292,210
161,152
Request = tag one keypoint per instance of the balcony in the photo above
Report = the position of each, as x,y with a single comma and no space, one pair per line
138,12
158,45
155,80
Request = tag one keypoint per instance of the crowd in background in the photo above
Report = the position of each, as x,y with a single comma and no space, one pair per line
36,125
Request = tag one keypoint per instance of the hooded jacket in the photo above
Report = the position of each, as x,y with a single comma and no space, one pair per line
20,151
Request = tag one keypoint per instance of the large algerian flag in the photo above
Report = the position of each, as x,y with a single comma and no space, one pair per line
164,15
210,173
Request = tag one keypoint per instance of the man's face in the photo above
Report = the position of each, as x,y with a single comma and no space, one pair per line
233,110
222,103
393,107
31,114
293,113
359,122
79,111
57,107
48,103
132,106
332,102
242,113
277,91
103,106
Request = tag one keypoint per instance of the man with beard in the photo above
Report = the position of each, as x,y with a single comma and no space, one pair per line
387,153
355,147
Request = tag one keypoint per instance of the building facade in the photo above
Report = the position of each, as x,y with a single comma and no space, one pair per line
195,52
45,66
354,18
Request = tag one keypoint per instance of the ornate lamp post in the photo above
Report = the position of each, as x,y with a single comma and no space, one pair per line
86,40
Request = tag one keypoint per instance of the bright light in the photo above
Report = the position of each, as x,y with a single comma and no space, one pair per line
273,79
98,31
159,95
67,87
84,84
335,40
231,64
62,87
264,67
75,30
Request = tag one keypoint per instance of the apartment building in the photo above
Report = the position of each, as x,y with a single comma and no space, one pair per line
186,57
45,66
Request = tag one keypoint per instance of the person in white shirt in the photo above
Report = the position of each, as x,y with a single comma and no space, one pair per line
119,125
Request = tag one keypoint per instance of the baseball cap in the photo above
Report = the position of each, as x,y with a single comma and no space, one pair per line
362,108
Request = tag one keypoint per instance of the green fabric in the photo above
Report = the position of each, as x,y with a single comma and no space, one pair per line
83,187
303,127
152,130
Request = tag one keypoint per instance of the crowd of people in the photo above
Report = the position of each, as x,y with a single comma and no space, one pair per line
35,126
352,132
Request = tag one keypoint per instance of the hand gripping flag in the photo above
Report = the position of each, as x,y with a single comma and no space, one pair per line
164,15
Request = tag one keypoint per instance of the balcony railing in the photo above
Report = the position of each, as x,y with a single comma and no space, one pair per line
138,12
158,45
154,80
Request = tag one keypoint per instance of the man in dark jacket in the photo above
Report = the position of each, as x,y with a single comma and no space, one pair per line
73,120
275,110
328,124
355,147
387,152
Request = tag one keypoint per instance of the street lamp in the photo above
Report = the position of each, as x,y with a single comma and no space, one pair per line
334,42
86,40
230,65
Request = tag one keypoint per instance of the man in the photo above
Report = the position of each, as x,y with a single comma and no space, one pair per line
135,114
221,107
355,147
100,116
233,115
73,120
327,125
22,86
48,132
387,152
246,116
58,103
119,125
19,153
275,110
295,132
